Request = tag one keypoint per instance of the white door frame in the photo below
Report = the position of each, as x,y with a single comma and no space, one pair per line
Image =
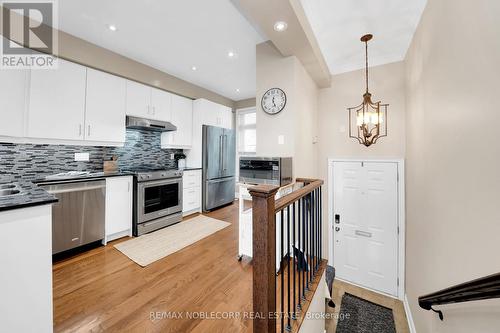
401,215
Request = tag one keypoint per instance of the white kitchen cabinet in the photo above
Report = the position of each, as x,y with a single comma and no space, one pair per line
118,220
161,104
191,196
206,112
147,102
57,102
13,88
182,118
105,107
138,100
26,277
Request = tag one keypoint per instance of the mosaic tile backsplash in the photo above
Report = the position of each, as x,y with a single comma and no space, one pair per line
29,161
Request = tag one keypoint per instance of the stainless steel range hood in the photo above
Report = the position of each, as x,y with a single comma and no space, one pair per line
149,124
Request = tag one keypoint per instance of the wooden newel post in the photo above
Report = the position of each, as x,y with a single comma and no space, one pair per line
264,257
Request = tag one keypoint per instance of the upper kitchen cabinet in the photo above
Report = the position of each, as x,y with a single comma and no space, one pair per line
138,100
57,102
161,104
206,112
13,87
146,102
182,118
105,107
213,114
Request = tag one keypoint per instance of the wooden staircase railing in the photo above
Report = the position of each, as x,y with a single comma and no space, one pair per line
289,229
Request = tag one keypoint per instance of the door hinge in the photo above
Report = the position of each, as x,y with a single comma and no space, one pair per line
398,230
397,176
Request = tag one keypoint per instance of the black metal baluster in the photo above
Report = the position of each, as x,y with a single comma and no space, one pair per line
304,271
294,265
317,229
313,233
321,223
282,271
308,231
298,251
289,327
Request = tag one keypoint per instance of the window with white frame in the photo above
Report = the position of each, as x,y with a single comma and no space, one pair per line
246,127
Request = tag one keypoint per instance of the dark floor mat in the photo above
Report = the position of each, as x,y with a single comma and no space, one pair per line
361,316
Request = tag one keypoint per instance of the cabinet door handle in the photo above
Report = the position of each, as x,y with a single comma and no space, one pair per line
148,109
88,130
154,110
79,129
128,187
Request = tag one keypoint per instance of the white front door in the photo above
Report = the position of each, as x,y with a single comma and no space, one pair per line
365,206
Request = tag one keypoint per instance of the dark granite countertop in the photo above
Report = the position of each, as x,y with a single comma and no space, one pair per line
29,195
89,176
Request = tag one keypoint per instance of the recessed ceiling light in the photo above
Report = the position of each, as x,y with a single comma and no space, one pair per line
280,26
112,27
237,89
231,54
194,68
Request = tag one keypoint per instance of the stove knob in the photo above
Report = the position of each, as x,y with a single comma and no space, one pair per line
149,176
163,175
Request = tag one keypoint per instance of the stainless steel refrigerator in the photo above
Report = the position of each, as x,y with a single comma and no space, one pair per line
219,170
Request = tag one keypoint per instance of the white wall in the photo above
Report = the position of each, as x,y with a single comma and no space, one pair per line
387,84
297,122
453,156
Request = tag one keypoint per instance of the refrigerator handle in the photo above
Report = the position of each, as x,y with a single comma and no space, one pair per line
224,164
220,154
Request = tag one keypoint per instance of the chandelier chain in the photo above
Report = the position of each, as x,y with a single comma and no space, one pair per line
366,64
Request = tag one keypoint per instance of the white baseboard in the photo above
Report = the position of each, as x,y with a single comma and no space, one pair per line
411,324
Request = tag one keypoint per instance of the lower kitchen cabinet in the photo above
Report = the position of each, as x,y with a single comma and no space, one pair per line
26,269
118,207
191,196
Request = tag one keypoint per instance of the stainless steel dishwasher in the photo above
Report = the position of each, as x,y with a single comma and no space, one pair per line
78,217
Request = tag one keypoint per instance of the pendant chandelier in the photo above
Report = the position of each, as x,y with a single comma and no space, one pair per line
368,121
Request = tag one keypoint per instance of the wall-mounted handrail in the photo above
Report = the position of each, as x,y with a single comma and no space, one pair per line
479,289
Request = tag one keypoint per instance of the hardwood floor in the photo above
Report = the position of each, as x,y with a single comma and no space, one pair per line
103,290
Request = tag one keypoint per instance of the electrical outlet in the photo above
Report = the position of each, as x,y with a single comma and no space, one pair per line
84,157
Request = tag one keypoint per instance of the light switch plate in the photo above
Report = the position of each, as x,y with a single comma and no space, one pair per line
82,157
281,139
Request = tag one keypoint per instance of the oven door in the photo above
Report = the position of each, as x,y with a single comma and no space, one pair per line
158,198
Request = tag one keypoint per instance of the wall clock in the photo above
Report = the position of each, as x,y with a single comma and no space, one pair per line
273,101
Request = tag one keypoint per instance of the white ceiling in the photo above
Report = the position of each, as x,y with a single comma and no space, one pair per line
173,36
338,25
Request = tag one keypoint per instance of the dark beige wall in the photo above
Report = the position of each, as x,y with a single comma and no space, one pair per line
453,160
245,103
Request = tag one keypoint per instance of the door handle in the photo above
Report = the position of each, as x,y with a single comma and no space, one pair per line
337,229
363,233
79,129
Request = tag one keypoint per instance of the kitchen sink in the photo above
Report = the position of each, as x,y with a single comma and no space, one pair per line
4,193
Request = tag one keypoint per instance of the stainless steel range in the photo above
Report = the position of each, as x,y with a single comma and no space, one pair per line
157,199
